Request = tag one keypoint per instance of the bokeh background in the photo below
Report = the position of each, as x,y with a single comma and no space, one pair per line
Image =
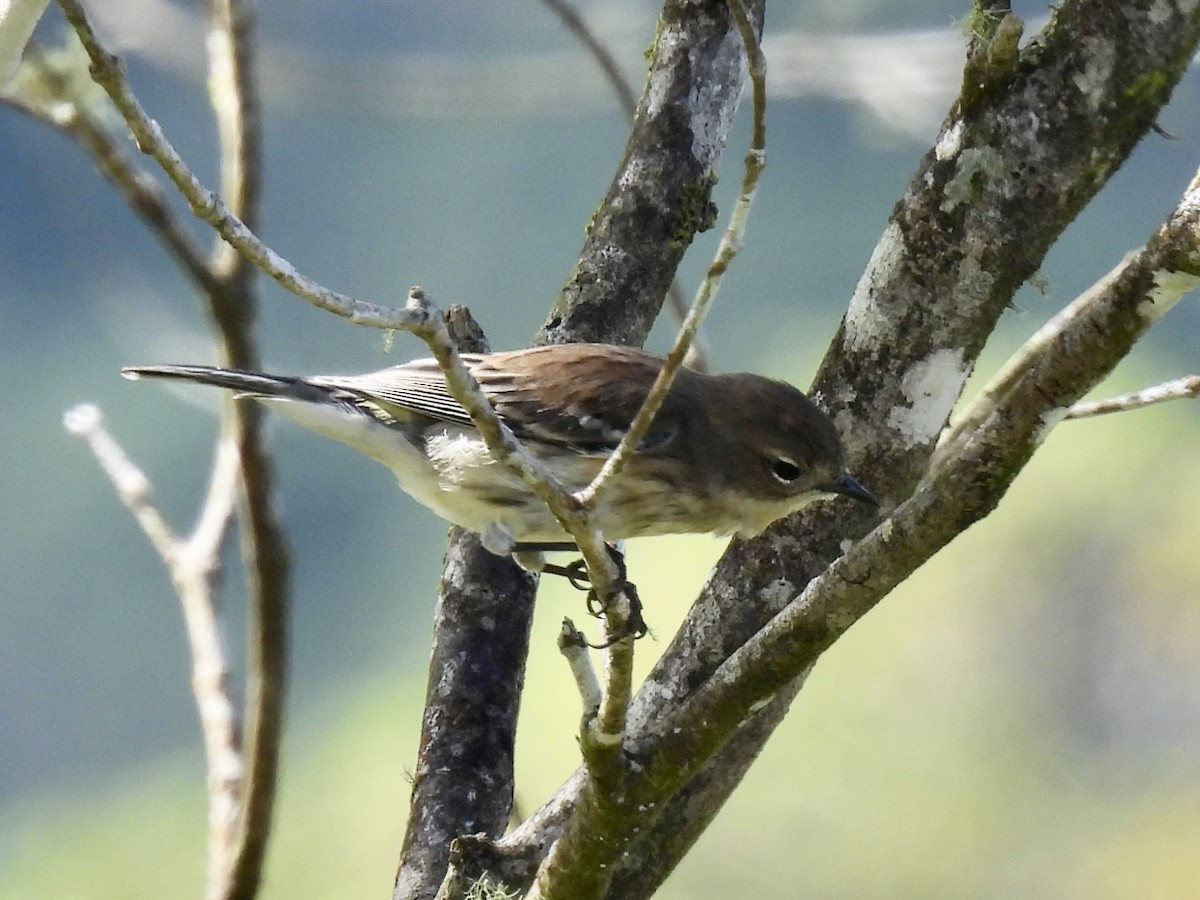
1021,718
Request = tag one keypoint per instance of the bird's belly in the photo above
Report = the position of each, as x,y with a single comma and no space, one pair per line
465,485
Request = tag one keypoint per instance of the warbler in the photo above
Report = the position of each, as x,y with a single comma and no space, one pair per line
726,454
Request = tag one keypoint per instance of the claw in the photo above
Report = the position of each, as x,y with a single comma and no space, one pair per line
577,575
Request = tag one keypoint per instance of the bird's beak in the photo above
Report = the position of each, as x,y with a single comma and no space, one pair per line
847,486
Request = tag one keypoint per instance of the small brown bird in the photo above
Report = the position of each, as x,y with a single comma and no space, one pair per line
726,454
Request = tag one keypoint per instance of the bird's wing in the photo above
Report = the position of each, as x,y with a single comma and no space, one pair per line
416,387
582,396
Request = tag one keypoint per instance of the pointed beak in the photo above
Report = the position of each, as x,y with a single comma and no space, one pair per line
848,487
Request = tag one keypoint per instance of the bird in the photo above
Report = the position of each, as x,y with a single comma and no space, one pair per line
726,454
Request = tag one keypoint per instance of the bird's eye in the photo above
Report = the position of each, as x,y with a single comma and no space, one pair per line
784,470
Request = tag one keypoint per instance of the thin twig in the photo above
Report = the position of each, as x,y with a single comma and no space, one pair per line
225,761
216,512
602,738
192,565
232,305
426,322
133,488
60,108
1178,389
573,646
731,244
697,356
604,58
609,723
417,318
17,21
106,69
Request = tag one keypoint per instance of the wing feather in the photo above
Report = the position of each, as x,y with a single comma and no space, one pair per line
587,405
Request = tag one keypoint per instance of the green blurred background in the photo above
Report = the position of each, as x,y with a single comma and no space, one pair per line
1021,719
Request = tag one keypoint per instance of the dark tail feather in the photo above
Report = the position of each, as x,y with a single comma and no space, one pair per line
253,384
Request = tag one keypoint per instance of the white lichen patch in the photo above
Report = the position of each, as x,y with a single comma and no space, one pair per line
973,279
931,387
657,93
1093,81
636,172
708,130
972,162
1169,287
778,594
867,325
847,426
949,142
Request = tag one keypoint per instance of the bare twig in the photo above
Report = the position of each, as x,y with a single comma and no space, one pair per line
415,317
232,305
56,103
1178,389
206,205
573,646
193,565
604,58
731,244
224,750
619,682
17,21
133,488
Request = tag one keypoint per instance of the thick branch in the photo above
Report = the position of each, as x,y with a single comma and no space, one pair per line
985,204
661,194
463,782
1072,354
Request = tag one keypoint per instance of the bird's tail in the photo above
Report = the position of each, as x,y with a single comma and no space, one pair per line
246,384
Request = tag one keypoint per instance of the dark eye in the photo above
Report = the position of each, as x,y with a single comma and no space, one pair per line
785,470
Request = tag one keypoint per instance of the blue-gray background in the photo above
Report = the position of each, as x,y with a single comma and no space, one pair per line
461,146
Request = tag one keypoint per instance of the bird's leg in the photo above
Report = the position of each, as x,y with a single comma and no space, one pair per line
529,555
577,575
635,625
596,605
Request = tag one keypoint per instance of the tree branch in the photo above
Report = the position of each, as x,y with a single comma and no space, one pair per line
1179,389
984,205
232,304
661,194
52,90
1074,352
205,205
463,782
194,567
